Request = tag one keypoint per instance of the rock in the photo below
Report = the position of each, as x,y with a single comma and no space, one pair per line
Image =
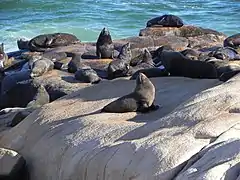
198,37
184,31
70,139
12,165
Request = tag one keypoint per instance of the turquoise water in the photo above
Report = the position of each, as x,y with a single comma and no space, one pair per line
124,18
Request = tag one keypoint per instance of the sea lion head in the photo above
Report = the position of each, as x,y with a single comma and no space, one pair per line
147,57
105,32
125,53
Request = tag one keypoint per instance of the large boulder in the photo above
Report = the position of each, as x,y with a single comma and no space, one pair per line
71,139
198,37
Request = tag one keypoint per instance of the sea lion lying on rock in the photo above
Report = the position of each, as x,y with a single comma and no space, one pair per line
191,54
232,41
46,41
178,65
120,66
166,21
228,75
87,75
146,63
225,53
104,46
223,66
41,66
140,100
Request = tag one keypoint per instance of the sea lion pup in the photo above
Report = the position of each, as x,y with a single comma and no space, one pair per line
225,53
120,66
3,57
87,75
232,41
41,66
140,100
167,20
46,41
228,75
146,63
150,72
75,63
105,47
178,65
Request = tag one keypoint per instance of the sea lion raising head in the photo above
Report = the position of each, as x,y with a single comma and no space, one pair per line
104,46
140,100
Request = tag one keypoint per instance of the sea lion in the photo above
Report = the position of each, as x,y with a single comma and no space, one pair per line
178,65
155,54
46,41
232,41
3,57
228,75
140,100
104,45
225,53
87,75
166,20
146,63
22,44
41,66
75,63
150,72
120,66
223,66
191,53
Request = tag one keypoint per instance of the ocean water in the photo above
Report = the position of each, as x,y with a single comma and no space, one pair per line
124,18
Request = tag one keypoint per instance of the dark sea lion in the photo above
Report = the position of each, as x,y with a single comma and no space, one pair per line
166,21
223,66
228,75
151,72
87,75
140,100
225,53
46,41
41,66
120,66
232,41
22,44
75,63
178,65
155,54
146,63
104,45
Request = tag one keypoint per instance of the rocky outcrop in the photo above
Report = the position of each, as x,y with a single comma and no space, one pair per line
74,140
198,37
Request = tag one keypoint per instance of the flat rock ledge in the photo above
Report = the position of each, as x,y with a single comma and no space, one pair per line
194,135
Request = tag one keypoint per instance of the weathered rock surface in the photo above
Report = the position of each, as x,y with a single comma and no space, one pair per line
198,37
12,165
70,139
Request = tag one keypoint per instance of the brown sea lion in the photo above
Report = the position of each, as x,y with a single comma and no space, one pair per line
178,65
41,66
232,41
140,100
146,63
104,45
120,66
167,20
46,41
75,63
87,75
